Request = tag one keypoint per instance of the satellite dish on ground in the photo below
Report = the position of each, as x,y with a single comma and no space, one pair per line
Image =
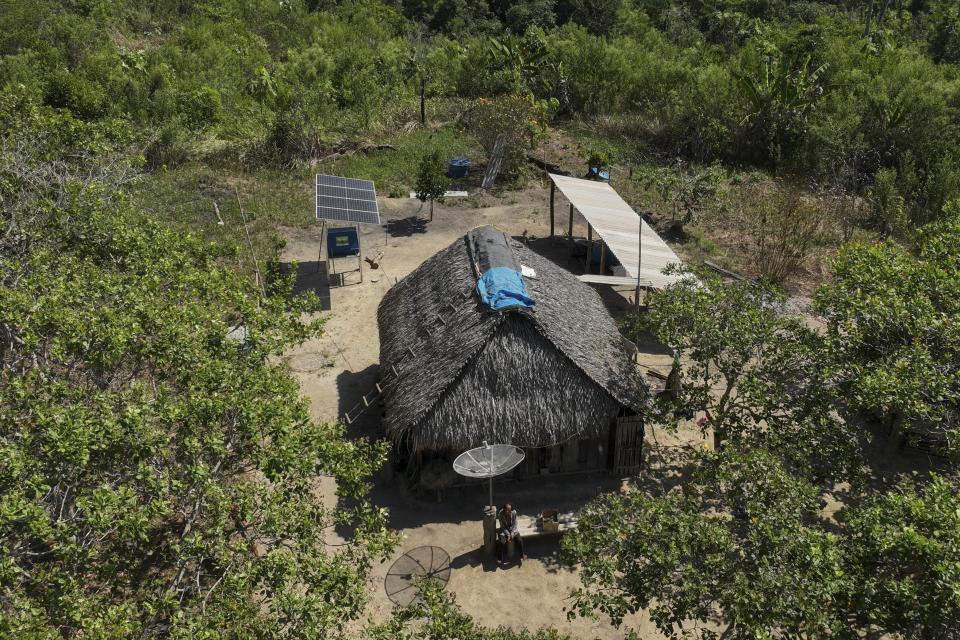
488,461
428,563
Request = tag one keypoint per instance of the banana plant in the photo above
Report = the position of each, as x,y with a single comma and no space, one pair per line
781,96
780,89
520,57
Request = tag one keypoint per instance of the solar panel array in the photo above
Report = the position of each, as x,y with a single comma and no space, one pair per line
347,199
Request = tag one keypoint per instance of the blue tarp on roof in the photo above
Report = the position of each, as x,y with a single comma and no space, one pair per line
502,288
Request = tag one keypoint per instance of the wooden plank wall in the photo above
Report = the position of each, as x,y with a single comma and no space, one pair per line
589,454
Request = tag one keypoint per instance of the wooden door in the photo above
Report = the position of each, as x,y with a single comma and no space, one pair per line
628,445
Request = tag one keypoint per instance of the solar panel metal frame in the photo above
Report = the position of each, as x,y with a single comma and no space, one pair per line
346,200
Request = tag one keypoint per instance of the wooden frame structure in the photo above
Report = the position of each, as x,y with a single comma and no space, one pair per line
643,254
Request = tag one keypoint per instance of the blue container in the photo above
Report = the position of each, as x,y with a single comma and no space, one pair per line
458,168
342,241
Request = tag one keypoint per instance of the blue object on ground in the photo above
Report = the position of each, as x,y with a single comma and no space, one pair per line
342,241
502,288
596,173
458,168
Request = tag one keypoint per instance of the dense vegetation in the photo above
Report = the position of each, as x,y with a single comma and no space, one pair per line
846,94
160,479
157,477
790,526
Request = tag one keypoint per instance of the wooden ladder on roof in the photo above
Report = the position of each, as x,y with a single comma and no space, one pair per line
370,398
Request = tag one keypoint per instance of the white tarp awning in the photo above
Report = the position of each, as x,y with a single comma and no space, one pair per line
616,223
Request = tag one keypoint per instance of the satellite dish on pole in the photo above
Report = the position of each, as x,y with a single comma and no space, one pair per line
488,461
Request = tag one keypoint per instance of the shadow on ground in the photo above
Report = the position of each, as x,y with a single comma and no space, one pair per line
352,386
406,227
410,508
544,549
312,276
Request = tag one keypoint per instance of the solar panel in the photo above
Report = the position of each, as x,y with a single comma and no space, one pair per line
347,199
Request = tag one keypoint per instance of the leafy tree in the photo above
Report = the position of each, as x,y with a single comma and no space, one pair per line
598,159
520,16
743,550
518,120
158,478
758,379
599,17
686,189
781,93
908,542
432,183
418,66
893,326
888,205
743,546
738,544
944,32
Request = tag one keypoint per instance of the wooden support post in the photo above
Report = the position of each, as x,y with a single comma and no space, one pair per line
586,264
570,230
603,258
639,257
323,231
553,189
359,252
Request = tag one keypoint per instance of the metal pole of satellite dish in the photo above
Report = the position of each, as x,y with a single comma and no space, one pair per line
490,463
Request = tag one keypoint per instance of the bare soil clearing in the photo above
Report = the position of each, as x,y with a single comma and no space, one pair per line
336,369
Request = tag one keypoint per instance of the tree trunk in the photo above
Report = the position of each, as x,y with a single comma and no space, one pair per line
883,13
431,209
423,101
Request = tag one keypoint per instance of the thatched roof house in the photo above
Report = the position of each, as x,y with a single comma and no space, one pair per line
456,372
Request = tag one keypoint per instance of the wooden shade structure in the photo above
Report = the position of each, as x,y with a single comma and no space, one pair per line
643,254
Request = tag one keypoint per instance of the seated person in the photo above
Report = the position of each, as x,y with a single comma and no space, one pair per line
507,518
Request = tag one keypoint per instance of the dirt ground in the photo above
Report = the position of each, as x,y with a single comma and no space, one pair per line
337,368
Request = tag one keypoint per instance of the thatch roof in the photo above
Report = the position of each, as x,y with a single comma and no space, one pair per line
529,377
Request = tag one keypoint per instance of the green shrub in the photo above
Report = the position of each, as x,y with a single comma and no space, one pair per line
200,108
67,90
169,147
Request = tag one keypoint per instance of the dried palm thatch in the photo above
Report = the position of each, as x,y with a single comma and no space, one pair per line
532,378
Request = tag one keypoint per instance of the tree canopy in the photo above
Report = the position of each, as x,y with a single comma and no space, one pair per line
777,532
158,477
893,320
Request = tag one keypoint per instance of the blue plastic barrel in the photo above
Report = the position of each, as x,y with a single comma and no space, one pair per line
458,168
342,241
